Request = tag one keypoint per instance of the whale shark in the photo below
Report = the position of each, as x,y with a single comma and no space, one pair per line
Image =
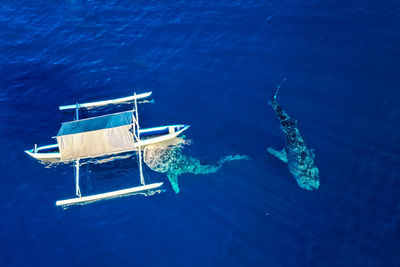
168,158
300,159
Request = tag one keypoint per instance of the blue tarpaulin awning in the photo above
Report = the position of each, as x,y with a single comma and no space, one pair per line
96,136
96,123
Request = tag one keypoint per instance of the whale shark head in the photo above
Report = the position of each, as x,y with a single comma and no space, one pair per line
309,180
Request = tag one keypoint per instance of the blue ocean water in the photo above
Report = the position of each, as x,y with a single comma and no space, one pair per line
212,65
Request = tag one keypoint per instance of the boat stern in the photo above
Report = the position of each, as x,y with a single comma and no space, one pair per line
30,153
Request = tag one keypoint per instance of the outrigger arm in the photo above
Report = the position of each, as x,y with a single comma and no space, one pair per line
76,164
136,121
78,190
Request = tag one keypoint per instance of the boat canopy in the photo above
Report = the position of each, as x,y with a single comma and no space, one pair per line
97,136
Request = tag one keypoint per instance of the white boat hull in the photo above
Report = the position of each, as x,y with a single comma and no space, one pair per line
46,156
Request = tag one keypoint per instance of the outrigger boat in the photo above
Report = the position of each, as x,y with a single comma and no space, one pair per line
103,136
51,153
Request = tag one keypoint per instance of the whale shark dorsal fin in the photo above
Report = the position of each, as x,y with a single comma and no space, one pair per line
282,155
312,153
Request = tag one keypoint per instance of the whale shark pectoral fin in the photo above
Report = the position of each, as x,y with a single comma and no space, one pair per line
173,179
282,155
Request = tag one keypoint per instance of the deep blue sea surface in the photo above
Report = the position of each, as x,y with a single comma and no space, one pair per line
212,65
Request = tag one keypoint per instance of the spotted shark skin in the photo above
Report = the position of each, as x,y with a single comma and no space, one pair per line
168,158
300,159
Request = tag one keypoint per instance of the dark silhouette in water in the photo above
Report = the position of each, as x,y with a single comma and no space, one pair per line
167,157
299,158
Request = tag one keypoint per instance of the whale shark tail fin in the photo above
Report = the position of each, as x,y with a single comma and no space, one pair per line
273,99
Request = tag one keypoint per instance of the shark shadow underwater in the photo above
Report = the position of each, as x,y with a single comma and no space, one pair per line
168,158
300,159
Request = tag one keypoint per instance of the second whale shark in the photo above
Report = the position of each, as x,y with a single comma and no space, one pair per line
300,159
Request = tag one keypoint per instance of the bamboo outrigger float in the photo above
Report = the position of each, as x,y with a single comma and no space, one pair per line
102,136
